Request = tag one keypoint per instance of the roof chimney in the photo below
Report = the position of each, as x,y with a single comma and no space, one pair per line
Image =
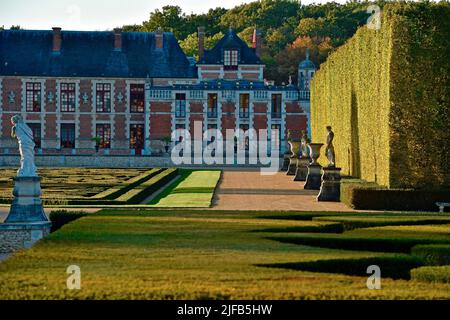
201,42
117,39
159,38
56,39
257,42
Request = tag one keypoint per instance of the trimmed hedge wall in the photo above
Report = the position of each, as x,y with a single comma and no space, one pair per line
385,92
433,254
371,197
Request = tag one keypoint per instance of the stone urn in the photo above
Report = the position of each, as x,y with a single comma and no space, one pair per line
295,150
314,151
286,158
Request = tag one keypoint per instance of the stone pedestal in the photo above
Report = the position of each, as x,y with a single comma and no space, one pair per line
26,222
314,177
292,166
15,236
330,189
286,161
294,145
302,168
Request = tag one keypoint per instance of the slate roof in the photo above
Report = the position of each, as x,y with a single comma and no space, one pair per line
230,40
92,54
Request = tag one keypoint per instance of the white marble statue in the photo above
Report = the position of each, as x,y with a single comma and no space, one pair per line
24,136
329,150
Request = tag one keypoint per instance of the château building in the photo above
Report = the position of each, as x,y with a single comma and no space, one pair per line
131,90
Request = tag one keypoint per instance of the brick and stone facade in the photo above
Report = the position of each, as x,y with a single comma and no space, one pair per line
138,89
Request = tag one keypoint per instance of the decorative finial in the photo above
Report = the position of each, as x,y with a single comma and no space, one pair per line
307,53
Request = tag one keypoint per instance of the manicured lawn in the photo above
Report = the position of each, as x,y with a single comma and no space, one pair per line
194,190
181,254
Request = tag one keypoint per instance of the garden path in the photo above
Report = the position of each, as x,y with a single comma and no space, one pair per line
249,190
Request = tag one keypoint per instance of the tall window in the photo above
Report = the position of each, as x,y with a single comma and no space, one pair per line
36,129
33,97
103,131
137,137
230,59
180,126
137,98
212,105
276,105
68,135
245,128
68,97
244,103
103,91
180,105
213,136
276,142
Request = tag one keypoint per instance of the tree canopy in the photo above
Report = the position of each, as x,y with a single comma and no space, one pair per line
288,27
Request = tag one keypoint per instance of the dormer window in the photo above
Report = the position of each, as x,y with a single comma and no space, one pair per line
230,59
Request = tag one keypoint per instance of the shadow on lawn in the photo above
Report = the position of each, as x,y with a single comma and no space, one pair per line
357,243
396,267
328,228
184,174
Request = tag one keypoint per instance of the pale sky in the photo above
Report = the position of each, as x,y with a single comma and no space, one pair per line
97,14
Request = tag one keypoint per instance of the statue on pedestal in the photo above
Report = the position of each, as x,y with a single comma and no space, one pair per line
26,222
329,148
330,189
304,159
24,136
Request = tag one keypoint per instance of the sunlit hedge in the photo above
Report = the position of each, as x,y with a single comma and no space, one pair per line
386,94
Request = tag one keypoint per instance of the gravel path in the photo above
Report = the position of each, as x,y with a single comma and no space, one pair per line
249,190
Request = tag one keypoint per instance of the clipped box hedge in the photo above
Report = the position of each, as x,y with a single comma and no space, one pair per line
120,189
439,274
158,178
385,93
368,196
433,254
142,191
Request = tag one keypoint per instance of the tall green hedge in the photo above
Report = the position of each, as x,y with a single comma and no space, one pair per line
386,94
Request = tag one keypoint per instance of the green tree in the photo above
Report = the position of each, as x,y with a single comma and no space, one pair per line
247,35
275,13
171,18
210,20
277,39
190,44
132,28
312,27
241,16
